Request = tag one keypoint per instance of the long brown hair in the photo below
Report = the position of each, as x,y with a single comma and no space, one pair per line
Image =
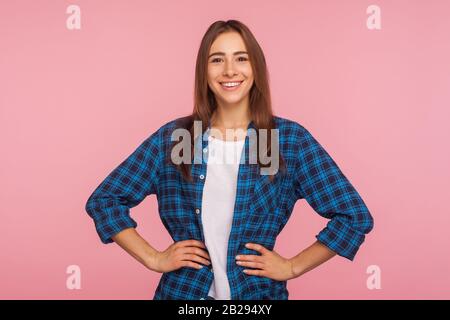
204,100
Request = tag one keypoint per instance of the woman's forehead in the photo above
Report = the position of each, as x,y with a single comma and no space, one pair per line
228,42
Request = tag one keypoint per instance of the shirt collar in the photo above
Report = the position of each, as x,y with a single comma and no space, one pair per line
250,125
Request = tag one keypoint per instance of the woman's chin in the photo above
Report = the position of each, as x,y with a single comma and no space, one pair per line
231,100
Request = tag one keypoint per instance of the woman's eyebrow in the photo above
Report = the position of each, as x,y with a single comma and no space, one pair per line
222,53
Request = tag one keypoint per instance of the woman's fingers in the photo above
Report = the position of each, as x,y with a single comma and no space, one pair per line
249,257
187,263
192,253
257,265
191,243
195,250
200,252
194,257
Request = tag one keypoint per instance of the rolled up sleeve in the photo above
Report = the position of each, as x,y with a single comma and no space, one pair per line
327,190
124,188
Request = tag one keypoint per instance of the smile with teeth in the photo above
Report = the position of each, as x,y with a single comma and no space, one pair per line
230,85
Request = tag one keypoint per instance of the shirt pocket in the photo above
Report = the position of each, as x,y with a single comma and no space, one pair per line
263,218
266,194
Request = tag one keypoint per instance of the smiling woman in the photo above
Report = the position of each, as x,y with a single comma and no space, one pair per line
229,68
231,86
224,215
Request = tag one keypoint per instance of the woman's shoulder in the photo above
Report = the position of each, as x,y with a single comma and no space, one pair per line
289,127
168,126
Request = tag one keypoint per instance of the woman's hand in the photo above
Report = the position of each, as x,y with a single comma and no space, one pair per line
269,264
187,253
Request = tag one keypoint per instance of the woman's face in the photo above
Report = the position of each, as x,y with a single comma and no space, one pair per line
230,75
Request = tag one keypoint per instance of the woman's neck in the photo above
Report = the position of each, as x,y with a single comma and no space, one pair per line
231,117
235,119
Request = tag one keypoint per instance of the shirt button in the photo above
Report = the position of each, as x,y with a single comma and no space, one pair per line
197,211
205,150
212,270
202,298
202,177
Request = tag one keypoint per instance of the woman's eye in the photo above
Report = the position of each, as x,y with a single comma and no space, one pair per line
219,59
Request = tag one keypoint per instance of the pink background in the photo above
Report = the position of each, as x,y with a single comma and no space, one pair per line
75,103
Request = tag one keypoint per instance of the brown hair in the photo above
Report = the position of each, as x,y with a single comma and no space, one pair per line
205,102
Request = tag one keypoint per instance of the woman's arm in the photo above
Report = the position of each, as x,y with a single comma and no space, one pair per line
131,241
321,182
186,253
310,258
124,188
272,265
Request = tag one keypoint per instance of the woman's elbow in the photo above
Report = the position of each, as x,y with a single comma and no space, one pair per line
366,223
93,205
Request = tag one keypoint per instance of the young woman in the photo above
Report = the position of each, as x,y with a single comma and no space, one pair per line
224,216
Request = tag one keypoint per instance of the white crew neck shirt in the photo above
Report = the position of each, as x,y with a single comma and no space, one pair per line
219,194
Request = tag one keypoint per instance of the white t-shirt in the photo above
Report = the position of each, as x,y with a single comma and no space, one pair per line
219,194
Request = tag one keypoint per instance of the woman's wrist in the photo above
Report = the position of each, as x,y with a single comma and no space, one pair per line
296,267
151,261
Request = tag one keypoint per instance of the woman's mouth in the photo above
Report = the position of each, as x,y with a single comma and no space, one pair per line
230,85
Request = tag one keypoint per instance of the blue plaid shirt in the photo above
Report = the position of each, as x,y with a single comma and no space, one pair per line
262,208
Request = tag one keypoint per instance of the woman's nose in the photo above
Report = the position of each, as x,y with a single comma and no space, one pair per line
229,69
